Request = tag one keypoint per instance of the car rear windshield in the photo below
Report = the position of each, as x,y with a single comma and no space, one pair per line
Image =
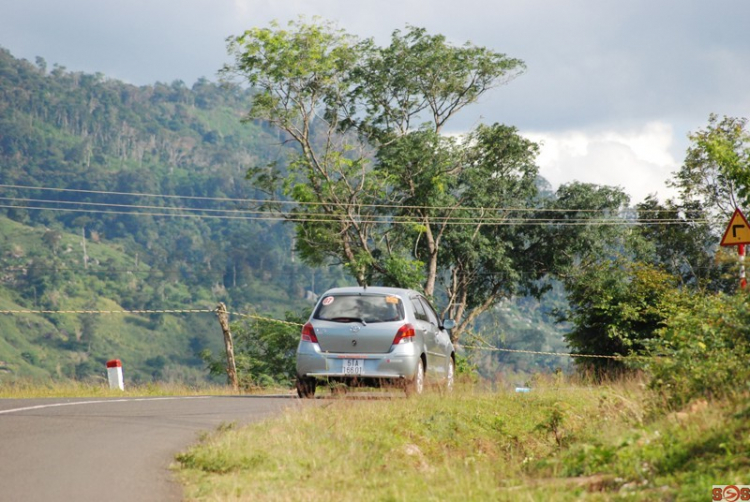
356,307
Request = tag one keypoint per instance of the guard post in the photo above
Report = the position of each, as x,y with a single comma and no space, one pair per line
114,374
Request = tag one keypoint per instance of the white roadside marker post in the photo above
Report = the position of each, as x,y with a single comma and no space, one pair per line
114,373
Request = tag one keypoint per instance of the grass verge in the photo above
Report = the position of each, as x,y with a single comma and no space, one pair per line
554,443
23,389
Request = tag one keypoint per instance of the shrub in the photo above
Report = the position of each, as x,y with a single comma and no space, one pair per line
615,307
702,350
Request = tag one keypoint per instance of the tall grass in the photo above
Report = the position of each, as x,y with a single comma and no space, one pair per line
471,445
558,442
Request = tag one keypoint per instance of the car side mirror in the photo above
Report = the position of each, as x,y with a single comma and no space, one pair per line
449,324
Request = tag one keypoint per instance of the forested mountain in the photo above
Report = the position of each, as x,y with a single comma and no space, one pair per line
114,196
74,148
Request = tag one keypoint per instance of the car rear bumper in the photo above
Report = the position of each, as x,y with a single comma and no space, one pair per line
399,363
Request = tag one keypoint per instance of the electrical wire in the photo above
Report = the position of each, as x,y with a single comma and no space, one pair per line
313,203
378,218
374,219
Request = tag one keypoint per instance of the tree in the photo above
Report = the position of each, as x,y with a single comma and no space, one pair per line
702,348
374,189
716,171
264,352
616,308
469,217
577,228
422,77
302,80
713,181
679,237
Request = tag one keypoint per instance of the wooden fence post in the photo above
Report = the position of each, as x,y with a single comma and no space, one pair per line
221,313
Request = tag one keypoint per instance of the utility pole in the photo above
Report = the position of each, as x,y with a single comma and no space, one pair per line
85,256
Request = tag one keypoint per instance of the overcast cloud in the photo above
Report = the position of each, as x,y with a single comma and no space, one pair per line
611,92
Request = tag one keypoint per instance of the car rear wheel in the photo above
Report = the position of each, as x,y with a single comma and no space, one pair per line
416,384
305,387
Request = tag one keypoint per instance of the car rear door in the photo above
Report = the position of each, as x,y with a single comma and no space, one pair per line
436,349
428,330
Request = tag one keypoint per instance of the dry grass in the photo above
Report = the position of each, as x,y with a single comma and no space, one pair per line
471,445
561,441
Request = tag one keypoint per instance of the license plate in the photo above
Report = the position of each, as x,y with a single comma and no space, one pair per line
353,367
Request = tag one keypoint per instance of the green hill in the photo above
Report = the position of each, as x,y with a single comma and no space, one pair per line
152,180
38,277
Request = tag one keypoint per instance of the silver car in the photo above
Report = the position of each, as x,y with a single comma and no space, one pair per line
374,337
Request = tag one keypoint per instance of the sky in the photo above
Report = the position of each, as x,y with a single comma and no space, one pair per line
611,92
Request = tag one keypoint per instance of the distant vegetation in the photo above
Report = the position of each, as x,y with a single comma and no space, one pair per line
168,197
83,248
68,142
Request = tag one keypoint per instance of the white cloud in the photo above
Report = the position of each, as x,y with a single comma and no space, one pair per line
637,160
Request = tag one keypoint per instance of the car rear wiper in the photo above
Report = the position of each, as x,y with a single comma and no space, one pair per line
349,319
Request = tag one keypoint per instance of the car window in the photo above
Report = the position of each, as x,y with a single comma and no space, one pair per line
419,312
431,315
356,307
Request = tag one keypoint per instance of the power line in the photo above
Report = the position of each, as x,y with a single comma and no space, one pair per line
314,203
329,217
374,219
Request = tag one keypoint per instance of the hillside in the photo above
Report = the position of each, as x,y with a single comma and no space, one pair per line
77,345
118,197
149,178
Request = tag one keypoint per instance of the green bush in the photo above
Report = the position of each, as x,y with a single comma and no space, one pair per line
264,352
615,307
702,350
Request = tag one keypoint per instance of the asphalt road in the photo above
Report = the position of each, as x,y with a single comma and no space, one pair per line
109,449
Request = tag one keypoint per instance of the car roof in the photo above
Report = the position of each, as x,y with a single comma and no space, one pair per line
376,290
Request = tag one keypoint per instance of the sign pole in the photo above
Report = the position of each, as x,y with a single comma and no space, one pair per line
741,251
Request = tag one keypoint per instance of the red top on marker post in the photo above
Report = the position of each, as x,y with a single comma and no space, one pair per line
114,363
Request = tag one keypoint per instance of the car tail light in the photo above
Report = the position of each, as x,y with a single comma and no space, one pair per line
308,334
405,333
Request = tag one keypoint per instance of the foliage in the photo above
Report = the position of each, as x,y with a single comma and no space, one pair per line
264,352
79,155
716,171
678,237
703,348
60,346
615,309
376,189
583,227
97,136
466,200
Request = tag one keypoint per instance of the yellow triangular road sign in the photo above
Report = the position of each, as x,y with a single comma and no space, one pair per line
738,230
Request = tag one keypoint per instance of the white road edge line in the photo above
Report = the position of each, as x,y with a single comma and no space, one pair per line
76,403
